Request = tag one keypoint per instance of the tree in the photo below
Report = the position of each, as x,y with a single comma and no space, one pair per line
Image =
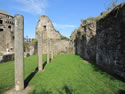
113,4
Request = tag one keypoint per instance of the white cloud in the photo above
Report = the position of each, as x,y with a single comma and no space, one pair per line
61,26
32,6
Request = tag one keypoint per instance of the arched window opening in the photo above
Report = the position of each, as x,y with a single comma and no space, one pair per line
13,37
44,27
1,30
1,21
9,27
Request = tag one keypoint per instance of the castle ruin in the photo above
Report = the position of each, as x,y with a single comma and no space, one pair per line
6,32
49,33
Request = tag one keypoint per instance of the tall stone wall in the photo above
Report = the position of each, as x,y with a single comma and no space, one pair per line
102,41
110,50
84,39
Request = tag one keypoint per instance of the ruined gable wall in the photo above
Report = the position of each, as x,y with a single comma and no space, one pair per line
45,25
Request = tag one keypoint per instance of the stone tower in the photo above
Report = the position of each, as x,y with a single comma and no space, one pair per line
6,32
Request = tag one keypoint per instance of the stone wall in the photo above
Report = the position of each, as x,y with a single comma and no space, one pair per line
6,57
102,40
110,50
63,46
6,32
45,26
84,39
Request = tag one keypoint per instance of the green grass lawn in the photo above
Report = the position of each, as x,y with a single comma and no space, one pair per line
7,72
67,74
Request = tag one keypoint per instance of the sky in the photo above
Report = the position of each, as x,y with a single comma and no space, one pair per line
65,15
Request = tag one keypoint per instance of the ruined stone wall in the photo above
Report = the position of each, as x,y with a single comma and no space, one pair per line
6,33
85,40
102,41
45,26
63,46
110,50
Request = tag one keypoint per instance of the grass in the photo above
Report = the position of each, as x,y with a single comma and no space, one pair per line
67,74
7,72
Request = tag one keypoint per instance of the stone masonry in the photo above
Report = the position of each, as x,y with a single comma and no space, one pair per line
6,32
49,33
102,41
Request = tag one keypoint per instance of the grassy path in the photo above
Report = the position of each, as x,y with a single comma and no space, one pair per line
67,74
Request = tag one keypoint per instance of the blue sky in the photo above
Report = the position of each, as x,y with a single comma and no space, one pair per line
66,15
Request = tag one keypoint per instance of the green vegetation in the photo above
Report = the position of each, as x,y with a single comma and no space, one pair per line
7,72
67,74
26,45
57,31
64,38
34,40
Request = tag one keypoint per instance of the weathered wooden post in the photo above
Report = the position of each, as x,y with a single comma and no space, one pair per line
54,49
19,52
51,47
47,46
40,51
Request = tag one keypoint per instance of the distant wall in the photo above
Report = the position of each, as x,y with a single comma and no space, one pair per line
7,57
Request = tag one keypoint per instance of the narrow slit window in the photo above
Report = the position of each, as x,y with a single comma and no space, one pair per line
44,27
1,21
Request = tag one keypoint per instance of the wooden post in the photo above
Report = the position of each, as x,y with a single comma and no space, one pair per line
40,51
19,52
47,45
51,45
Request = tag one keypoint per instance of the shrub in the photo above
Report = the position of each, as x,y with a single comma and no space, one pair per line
65,38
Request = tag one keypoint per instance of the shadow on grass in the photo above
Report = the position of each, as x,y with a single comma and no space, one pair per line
1,89
43,91
121,92
44,64
66,89
29,78
112,76
104,70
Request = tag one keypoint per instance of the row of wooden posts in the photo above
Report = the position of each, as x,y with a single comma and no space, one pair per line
19,52
50,48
